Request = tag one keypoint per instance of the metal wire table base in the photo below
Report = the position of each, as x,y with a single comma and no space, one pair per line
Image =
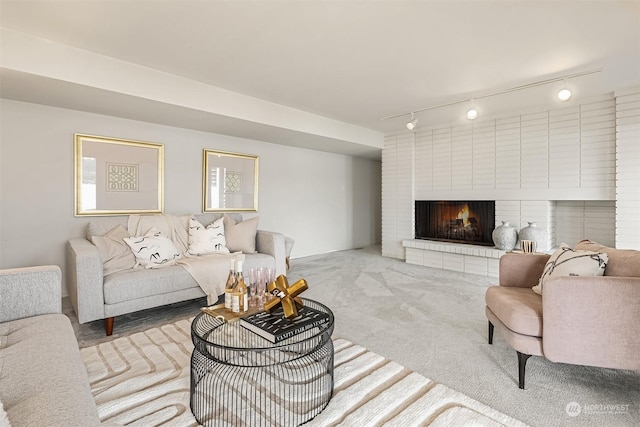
239,378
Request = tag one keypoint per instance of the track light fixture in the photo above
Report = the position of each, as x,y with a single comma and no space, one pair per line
564,94
411,125
472,113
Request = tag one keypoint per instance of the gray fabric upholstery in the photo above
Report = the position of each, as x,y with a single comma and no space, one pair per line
44,381
85,280
95,296
102,227
30,291
270,243
288,245
141,282
130,306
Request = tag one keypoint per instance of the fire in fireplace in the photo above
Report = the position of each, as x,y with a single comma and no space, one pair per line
455,221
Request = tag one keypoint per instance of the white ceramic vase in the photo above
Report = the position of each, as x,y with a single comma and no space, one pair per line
505,236
538,235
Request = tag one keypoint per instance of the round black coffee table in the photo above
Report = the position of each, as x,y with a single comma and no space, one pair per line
240,378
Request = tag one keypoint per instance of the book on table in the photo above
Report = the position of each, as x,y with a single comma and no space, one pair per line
275,327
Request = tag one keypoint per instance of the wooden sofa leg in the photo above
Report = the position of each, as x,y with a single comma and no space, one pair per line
522,362
108,325
287,262
490,333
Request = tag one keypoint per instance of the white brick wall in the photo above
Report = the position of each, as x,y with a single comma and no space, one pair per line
526,162
628,171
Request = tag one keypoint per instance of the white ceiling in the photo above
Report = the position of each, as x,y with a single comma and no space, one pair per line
351,61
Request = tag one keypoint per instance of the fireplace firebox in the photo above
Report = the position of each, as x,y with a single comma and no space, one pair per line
469,222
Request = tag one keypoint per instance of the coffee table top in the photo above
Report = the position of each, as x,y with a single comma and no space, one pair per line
230,343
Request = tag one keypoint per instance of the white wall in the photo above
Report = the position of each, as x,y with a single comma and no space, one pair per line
325,201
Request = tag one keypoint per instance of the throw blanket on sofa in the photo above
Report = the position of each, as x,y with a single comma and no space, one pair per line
209,271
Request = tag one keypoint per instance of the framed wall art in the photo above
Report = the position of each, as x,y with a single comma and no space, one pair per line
229,182
117,176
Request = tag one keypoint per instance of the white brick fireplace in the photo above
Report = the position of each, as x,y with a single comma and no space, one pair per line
574,171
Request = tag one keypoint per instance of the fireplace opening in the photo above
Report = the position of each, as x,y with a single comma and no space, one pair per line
469,222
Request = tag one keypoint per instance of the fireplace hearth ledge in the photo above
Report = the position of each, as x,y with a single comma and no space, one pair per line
461,257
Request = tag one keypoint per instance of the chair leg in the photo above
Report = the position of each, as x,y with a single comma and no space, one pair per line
522,362
108,325
490,333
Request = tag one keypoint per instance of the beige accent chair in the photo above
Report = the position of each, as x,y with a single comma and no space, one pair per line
587,320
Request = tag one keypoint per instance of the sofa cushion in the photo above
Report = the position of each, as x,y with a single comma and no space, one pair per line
140,283
154,249
566,261
44,381
257,260
241,236
115,253
207,240
622,262
520,309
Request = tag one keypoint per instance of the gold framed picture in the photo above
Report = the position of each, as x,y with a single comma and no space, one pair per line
229,182
117,176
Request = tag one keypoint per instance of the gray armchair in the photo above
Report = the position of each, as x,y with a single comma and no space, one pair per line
578,320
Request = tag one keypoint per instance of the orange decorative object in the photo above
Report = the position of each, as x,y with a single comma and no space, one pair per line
286,295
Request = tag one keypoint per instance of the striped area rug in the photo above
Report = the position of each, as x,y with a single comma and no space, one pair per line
143,380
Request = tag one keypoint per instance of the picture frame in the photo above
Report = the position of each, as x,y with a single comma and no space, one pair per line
117,176
229,182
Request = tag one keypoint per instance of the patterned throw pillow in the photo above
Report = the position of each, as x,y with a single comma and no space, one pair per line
209,240
569,262
153,250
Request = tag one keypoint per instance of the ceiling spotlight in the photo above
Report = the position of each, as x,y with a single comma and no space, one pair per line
564,94
411,125
472,114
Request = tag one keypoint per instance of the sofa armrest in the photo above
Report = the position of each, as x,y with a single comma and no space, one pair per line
271,243
85,280
592,321
521,270
30,291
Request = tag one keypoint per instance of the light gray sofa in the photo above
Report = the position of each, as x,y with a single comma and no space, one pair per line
95,296
43,381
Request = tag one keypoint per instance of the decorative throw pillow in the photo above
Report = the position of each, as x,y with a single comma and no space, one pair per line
115,253
209,240
241,236
569,262
153,250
